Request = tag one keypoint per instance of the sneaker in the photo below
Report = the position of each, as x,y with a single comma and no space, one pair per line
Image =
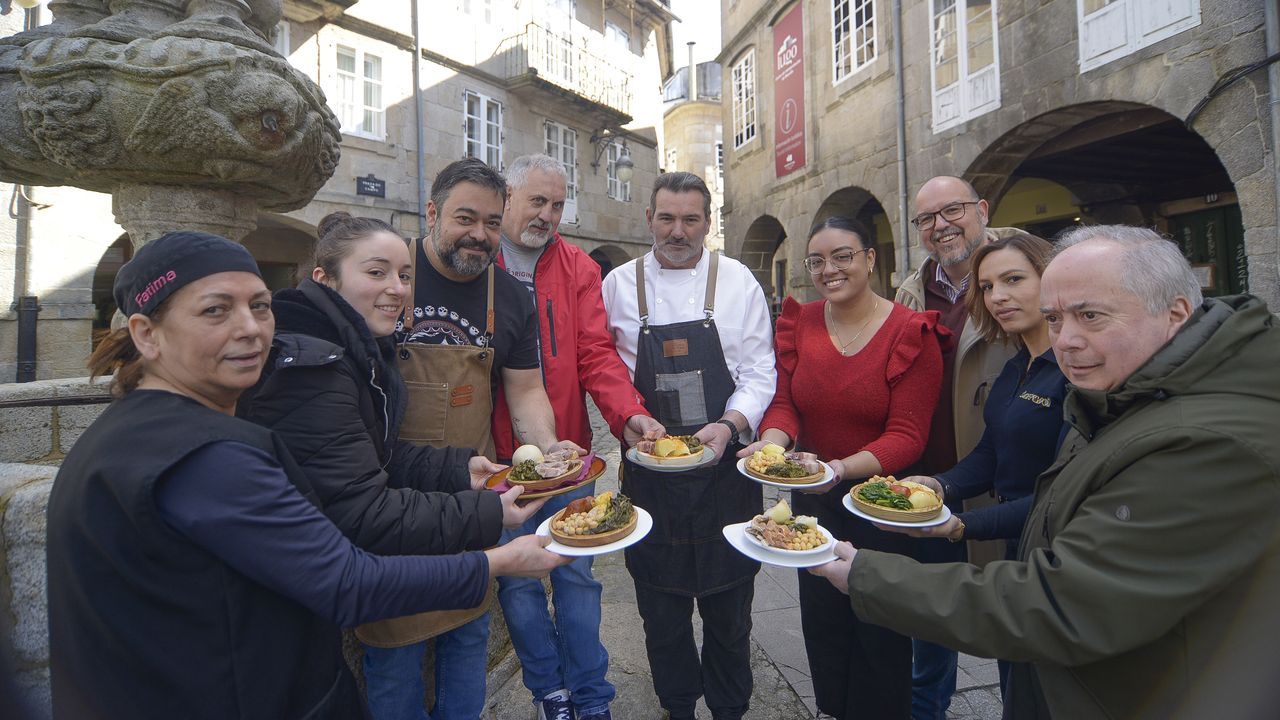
555,706
602,715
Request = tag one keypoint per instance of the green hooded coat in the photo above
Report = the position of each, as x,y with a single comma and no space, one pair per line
1148,582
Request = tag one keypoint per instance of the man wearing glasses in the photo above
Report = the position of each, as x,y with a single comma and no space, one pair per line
952,222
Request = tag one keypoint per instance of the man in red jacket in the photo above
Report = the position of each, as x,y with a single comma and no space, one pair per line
563,661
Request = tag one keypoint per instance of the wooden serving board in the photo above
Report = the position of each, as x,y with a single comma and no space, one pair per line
591,540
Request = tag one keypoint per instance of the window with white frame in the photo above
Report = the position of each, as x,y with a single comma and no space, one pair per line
482,128
617,36
853,36
720,160
562,144
743,76
616,189
359,93
672,157
965,60
1112,29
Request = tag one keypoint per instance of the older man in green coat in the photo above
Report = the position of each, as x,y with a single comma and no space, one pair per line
1148,582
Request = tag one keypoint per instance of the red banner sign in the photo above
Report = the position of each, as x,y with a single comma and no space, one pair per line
788,93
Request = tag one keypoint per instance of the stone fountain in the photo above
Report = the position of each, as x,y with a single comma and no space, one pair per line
180,109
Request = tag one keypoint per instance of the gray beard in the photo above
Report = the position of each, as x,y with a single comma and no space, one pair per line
465,265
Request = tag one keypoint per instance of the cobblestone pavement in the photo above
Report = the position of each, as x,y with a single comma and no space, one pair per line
783,689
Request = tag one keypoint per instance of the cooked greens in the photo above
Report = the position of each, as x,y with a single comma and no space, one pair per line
525,472
878,493
616,515
786,469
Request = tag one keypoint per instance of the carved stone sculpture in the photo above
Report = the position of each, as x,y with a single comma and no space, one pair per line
163,102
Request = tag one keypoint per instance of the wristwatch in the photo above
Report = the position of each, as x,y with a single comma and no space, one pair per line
733,430
958,539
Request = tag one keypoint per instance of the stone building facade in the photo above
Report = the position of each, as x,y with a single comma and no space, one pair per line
1150,112
693,138
577,78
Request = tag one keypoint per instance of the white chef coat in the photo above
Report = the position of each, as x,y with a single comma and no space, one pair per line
741,316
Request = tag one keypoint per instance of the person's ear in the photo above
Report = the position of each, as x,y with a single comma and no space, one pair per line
318,275
143,331
1179,313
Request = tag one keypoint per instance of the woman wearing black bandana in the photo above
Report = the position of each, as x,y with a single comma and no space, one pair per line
190,573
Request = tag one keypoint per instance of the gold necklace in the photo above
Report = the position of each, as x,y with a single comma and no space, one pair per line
844,346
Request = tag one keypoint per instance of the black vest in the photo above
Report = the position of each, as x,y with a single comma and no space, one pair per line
145,624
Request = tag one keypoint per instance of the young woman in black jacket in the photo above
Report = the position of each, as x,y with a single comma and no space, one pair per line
332,392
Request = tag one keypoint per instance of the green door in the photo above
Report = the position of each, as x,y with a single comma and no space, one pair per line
1213,241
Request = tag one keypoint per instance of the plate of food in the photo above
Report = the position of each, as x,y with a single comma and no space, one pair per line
671,453
772,465
596,525
588,469
778,530
901,503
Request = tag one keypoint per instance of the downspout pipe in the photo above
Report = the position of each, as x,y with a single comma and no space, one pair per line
904,257
26,305
1273,89
419,120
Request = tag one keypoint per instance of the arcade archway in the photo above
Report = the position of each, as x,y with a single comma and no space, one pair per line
861,205
1123,163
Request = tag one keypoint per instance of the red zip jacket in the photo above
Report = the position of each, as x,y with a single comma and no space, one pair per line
577,350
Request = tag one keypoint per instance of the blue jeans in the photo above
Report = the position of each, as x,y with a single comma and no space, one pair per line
933,680
564,653
394,676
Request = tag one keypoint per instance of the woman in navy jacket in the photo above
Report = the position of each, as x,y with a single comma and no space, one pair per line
1023,413
189,572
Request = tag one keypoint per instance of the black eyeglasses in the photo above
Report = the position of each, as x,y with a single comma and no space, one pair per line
950,213
839,261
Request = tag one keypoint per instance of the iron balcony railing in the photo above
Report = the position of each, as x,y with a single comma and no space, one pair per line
569,62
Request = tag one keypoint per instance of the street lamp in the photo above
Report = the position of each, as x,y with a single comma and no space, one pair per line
623,167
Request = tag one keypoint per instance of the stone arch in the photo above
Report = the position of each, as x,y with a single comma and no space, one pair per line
104,277
283,247
764,237
1126,162
860,204
609,257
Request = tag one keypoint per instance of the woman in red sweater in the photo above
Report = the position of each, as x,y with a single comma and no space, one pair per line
858,378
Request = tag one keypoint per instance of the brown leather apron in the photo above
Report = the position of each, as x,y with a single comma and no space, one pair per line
450,403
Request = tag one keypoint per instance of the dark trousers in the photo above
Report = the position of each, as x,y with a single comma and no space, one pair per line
859,670
724,672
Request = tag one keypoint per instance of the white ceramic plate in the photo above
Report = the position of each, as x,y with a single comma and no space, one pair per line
793,553
644,523
738,538
827,476
708,455
943,516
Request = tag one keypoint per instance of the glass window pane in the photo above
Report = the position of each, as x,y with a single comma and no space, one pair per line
945,55
346,60
372,67
979,34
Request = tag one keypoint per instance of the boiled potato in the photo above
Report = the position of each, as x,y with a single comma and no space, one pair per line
526,452
669,447
779,513
921,499
806,521
773,449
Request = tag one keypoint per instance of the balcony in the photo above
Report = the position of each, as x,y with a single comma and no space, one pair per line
538,61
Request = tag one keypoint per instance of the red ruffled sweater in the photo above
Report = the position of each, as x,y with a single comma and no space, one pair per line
879,399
